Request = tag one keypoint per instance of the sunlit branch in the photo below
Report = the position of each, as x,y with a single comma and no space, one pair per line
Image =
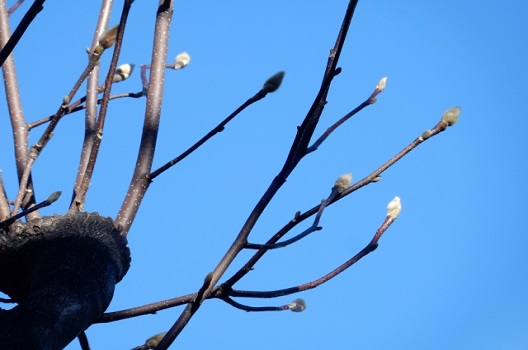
16,115
14,7
307,128
372,177
77,106
140,182
95,135
92,91
370,247
315,227
371,100
5,211
298,150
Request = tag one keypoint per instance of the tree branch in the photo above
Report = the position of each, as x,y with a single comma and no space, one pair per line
140,181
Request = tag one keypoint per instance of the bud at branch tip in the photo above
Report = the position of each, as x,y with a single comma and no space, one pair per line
297,305
182,60
381,84
451,115
343,182
394,208
273,83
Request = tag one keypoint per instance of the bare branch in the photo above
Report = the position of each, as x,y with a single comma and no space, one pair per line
140,181
91,105
146,309
5,211
83,341
367,102
21,28
51,199
370,247
372,177
219,128
14,7
18,123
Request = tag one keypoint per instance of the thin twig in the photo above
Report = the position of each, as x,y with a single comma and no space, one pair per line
14,7
372,177
30,15
297,151
90,116
51,199
254,308
77,106
314,227
219,128
331,129
370,247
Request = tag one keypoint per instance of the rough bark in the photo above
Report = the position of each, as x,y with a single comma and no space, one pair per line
61,271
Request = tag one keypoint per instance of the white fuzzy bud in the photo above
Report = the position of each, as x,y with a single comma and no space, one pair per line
381,84
394,208
451,115
182,60
298,305
123,72
343,182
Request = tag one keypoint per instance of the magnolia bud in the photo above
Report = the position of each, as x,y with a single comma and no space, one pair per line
343,182
123,72
182,60
394,208
273,83
451,115
108,38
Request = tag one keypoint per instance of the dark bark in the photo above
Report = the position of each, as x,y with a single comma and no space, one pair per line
61,270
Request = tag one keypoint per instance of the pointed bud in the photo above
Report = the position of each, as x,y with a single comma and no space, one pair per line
426,134
394,208
153,341
54,196
381,84
343,182
451,115
298,305
273,83
182,60
123,72
108,38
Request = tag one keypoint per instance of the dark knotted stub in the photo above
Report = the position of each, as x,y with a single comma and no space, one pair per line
62,271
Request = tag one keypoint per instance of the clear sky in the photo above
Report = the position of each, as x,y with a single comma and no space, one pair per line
451,273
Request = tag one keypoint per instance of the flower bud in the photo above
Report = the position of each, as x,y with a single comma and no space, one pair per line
298,305
123,72
394,208
273,83
153,341
451,115
182,60
343,182
108,38
381,84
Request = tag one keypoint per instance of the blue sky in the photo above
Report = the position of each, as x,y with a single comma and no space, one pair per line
449,274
